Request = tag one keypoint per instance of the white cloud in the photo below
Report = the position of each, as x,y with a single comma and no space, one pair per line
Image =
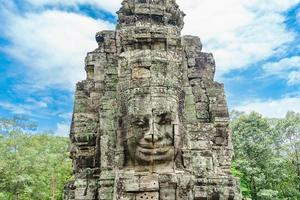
282,65
272,108
294,78
62,130
53,45
286,68
37,104
15,109
109,5
239,33
66,116
26,108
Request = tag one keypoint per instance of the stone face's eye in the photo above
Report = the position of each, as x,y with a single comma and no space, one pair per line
165,119
141,122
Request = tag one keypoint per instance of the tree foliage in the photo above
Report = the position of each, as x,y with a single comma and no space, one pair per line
267,156
267,159
32,166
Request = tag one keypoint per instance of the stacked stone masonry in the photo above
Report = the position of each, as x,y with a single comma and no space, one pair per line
149,121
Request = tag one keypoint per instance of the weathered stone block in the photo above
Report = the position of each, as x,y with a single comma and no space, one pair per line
149,183
150,122
147,196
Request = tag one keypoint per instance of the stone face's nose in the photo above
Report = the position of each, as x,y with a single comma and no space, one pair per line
153,134
148,137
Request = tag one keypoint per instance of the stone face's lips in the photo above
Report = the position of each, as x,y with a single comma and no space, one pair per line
154,151
146,145
153,146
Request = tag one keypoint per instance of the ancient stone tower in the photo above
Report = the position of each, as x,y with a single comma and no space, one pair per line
149,121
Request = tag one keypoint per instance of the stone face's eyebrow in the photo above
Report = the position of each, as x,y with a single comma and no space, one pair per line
166,115
163,117
138,116
144,119
163,113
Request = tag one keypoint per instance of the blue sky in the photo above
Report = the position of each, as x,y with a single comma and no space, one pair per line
43,44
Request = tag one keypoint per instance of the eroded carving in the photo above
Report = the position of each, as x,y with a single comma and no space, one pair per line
149,121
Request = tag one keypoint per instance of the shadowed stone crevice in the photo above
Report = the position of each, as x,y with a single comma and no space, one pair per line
149,121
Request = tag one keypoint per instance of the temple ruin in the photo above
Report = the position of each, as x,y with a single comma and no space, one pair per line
150,122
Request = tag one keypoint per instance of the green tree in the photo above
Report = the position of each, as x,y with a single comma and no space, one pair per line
252,138
267,156
32,166
288,147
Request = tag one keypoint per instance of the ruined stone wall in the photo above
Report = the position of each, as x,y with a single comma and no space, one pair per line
149,121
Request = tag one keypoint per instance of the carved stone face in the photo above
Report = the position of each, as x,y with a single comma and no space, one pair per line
152,135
